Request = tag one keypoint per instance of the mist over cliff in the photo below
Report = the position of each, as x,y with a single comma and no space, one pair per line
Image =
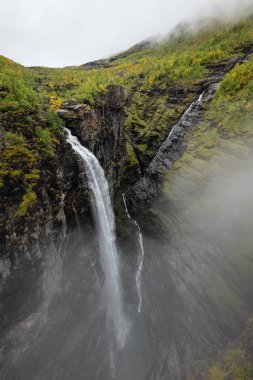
79,31
125,200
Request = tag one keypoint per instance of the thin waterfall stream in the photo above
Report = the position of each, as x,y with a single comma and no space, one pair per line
104,218
139,270
160,299
182,119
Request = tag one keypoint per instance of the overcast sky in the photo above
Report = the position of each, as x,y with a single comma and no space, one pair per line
70,32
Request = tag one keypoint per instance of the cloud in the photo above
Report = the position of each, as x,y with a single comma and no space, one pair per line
53,33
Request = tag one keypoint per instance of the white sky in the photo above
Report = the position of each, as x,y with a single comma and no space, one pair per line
68,32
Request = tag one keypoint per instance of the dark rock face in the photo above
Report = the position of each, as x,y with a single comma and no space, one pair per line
58,190
29,242
101,130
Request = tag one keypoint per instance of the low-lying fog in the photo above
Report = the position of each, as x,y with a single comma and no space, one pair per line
196,286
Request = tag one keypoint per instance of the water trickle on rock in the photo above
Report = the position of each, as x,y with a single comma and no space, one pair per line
140,266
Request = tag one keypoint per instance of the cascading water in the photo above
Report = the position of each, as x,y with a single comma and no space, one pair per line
182,119
139,270
104,218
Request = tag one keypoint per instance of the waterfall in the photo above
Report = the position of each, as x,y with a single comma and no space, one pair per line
76,218
139,270
182,119
104,218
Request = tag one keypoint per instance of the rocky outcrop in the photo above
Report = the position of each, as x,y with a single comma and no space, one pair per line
101,130
143,192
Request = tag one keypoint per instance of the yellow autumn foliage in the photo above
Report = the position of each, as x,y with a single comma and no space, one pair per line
55,103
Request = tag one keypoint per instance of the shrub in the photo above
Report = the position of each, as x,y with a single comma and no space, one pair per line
54,122
45,140
28,200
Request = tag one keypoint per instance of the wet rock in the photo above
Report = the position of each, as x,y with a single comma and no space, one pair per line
143,192
26,242
100,128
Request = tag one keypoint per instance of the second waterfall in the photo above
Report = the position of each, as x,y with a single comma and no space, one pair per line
104,219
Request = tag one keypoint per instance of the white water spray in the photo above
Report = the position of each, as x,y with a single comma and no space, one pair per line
139,270
104,218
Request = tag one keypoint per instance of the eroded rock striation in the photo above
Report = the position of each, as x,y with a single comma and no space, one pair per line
101,130
147,187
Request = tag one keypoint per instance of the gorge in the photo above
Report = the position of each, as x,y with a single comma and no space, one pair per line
126,213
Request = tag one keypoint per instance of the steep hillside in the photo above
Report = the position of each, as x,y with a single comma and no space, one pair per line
165,120
162,80
237,361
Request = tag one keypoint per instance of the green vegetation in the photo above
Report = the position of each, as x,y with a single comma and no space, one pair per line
220,143
182,58
233,103
151,75
18,163
29,130
16,84
228,123
28,200
131,155
237,362
161,80
45,140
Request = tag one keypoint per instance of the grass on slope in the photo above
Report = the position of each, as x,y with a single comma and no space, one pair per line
237,362
29,131
159,79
